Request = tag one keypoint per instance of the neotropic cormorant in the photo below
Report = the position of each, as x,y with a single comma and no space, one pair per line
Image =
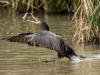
46,39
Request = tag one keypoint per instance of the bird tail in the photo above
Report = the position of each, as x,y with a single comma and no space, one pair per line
72,55
78,57
83,56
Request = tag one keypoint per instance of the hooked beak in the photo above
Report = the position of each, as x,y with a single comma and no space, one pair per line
35,22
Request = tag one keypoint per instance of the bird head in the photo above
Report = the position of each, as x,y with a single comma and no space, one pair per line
38,22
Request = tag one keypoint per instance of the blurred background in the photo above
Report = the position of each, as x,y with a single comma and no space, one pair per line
76,21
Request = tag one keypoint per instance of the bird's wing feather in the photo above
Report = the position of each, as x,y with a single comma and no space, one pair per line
45,39
23,38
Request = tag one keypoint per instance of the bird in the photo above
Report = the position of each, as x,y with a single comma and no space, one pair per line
46,39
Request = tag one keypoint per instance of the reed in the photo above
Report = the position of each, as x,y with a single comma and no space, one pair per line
87,17
56,5
39,5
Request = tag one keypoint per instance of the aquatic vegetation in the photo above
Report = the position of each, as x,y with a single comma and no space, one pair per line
87,17
58,5
38,5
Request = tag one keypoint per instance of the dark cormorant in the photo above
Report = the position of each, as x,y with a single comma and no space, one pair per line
46,39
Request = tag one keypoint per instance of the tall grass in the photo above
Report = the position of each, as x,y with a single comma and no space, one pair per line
58,5
38,5
87,17
22,5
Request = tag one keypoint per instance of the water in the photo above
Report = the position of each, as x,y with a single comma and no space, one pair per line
21,59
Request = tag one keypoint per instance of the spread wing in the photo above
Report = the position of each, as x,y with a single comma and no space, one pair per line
45,39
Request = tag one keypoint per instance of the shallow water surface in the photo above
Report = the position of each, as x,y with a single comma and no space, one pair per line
21,59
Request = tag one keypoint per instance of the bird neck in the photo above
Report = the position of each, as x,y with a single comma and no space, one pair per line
44,27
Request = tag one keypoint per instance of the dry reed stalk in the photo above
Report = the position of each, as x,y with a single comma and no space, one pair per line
87,29
43,2
16,5
6,3
28,4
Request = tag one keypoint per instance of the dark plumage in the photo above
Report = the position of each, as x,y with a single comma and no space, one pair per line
46,39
